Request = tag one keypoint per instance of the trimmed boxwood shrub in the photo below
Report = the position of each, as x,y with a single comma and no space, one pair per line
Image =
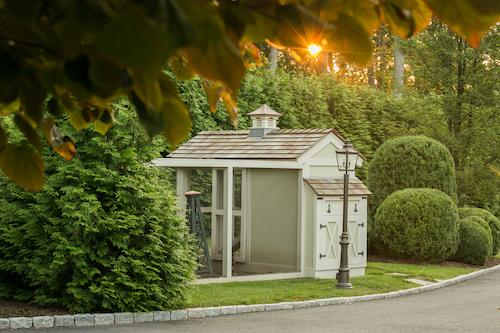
410,162
103,234
475,245
492,220
418,223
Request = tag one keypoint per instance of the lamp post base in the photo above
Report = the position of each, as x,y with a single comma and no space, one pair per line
343,285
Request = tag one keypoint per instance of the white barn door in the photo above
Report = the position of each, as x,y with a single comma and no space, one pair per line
329,229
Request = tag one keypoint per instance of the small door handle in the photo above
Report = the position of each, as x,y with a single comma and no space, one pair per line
355,208
321,226
328,210
361,253
322,255
362,224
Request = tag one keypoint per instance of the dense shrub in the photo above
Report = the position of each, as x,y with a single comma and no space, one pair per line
475,245
410,162
492,220
102,235
418,223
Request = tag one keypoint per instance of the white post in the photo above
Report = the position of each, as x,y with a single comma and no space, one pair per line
300,224
213,215
227,248
182,186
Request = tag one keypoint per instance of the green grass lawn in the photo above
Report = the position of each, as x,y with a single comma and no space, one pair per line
497,256
375,281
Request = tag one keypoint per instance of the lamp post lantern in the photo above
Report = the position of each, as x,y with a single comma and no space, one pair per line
346,161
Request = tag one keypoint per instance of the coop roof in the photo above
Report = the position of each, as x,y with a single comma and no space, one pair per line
335,186
278,144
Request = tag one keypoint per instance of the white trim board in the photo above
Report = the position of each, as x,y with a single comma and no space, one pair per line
224,163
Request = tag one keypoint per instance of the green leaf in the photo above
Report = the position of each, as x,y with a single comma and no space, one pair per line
23,165
10,108
54,107
10,71
32,96
26,10
104,122
107,77
149,118
28,131
363,11
73,110
135,41
181,68
231,107
3,138
405,17
147,88
350,39
177,121
215,55
213,90
468,18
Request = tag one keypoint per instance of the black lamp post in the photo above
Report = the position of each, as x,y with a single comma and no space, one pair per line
346,161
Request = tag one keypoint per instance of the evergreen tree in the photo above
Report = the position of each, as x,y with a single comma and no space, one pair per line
103,233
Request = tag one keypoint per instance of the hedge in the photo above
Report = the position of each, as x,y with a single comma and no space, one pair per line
410,162
418,223
475,245
102,235
492,220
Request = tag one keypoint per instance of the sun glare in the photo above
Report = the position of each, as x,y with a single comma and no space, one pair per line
314,49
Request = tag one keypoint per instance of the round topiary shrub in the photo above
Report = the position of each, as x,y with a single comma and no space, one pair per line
410,162
475,245
418,223
492,220
486,228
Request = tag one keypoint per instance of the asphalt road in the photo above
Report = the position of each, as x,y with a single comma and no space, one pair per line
472,306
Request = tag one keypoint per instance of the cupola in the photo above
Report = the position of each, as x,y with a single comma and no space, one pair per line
264,120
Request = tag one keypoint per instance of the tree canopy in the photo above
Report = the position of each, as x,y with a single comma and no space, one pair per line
73,58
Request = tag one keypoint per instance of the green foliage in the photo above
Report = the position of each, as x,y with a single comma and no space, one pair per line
410,162
492,220
103,234
475,245
418,223
76,57
442,63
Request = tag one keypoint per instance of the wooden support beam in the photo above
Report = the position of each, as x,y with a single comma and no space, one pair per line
182,186
227,262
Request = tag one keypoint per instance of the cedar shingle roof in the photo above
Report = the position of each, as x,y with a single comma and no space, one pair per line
264,110
278,144
335,186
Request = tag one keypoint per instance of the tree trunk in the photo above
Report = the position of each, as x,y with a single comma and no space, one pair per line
460,86
273,60
399,71
371,76
380,57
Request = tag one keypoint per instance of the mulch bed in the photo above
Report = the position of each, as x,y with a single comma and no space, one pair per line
22,309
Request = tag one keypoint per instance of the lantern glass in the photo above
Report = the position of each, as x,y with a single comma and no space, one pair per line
347,157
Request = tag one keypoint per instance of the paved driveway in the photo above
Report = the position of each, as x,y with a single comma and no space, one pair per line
472,306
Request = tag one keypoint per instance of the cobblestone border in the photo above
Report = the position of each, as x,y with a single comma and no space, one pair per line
110,319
